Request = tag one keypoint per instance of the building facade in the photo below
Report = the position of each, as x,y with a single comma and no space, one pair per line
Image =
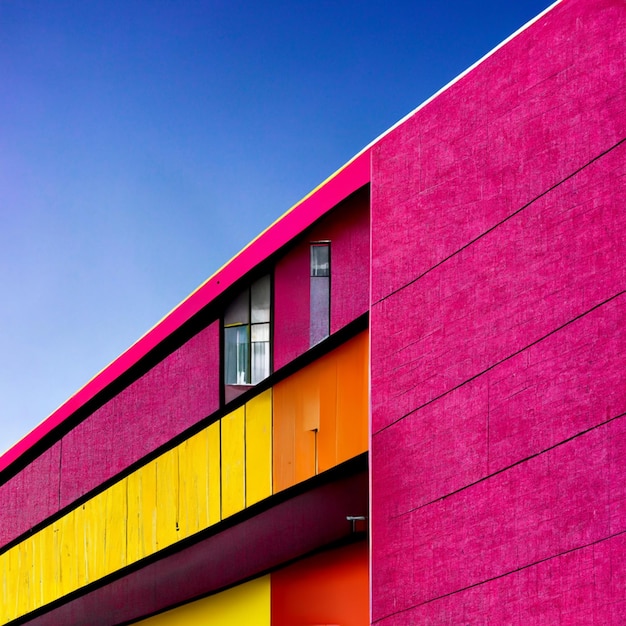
403,403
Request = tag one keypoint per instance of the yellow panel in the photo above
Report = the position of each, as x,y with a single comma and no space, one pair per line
11,595
95,536
135,533
167,498
6,588
80,546
57,572
233,477
193,465
65,542
48,565
23,576
215,473
247,604
142,512
115,516
147,476
259,448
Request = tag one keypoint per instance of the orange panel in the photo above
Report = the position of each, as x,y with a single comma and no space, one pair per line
327,439
284,447
328,588
321,414
352,397
305,394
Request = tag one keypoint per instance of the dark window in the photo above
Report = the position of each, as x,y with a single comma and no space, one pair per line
247,338
320,292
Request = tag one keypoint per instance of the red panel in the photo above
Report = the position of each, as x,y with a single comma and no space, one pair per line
531,114
30,496
564,499
175,394
555,260
307,522
347,228
328,588
350,178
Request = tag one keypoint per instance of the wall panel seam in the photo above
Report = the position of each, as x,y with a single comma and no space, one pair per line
503,360
500,223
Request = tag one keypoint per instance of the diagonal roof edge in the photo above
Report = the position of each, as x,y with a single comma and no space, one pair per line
347,179
335,188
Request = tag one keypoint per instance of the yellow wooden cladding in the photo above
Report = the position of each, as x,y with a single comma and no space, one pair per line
306,424
215,473
248,604
259,448
233,473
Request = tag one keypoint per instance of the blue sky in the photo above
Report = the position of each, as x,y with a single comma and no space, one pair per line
143,143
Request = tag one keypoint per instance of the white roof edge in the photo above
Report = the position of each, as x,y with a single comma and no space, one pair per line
458,78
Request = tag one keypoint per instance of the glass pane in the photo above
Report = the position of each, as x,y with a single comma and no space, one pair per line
260,292
260,332
320,309
236,356
320,260
260,361
239,310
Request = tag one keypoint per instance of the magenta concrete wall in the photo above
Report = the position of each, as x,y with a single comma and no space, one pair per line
497,337
173,395
347,228
33,494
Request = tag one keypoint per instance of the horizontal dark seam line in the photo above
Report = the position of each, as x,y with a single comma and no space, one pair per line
497,363
514,571
508,467
498,224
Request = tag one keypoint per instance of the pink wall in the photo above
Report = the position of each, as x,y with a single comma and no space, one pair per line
184,387
175,394
340,185
33,494
498,309
347,227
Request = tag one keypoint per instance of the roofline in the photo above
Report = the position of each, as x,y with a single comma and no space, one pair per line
457,78
338,186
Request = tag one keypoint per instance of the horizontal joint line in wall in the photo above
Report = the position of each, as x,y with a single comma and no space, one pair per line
508,467
507,573
497,363
506,219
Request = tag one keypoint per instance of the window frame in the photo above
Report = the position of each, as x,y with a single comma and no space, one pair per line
257,322
319,293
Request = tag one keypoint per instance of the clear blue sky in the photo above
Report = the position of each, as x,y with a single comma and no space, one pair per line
143,143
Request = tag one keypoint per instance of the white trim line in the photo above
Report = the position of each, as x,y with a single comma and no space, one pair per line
456,79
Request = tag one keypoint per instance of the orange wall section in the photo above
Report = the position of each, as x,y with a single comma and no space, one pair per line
321,414
328,588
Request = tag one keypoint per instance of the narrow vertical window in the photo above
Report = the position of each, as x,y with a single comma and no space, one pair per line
260,330
247,354
320,292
